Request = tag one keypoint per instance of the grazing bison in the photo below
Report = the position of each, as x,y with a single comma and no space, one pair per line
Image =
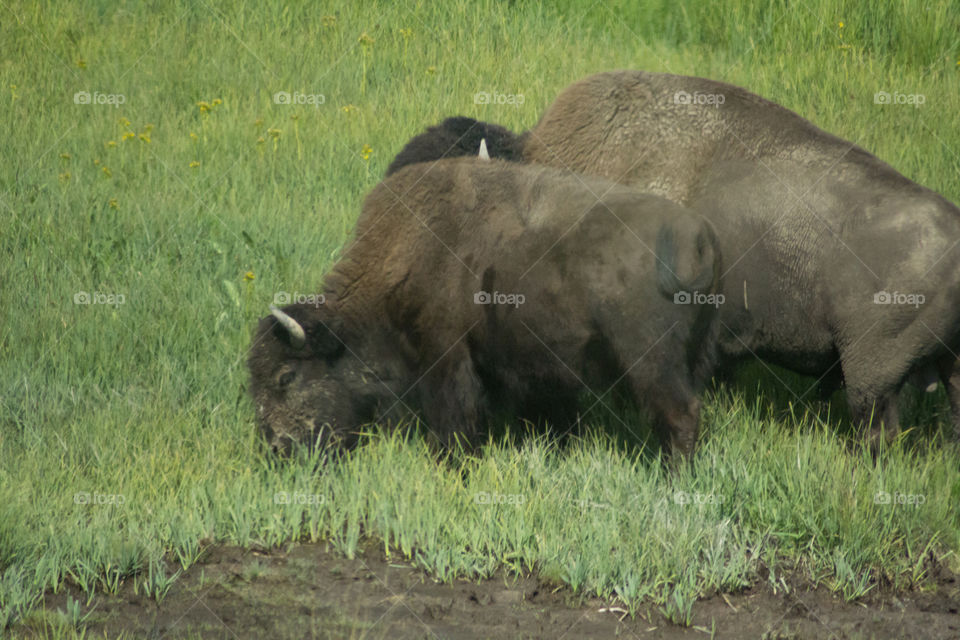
478,288
832,257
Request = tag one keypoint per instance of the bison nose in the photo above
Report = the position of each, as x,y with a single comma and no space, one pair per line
282,445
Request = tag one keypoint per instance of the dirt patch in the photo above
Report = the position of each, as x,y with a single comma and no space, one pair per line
311,592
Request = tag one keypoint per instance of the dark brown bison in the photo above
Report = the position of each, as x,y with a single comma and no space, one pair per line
483,288
836,265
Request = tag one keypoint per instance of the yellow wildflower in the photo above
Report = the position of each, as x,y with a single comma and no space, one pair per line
113,203
248,276
107,172
366,151
195,164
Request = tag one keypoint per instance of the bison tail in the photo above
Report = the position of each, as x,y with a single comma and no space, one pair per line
694,254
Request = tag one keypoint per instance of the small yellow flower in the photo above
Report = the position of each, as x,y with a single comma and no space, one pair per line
64,177
248,276
113,203
274,133
349,108
124,122
365,39
840,24
107,172
14,96
295,116
82,63
144,137
260,140
258,123
195,164
366,151
204,106
328,21
406,33
111,143
96,162
128,135
431,70
217,102
147,128
194,136
64,156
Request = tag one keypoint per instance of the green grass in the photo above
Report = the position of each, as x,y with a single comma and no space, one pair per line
147,399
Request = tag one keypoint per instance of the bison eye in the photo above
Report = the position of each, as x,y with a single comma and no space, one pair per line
286,378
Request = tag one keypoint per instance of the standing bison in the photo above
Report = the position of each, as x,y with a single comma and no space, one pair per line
831,256
483,288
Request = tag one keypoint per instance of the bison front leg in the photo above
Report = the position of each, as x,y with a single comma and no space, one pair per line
676,411
879,413
950,375
452,397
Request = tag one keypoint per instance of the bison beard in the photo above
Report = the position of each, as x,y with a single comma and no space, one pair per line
492,286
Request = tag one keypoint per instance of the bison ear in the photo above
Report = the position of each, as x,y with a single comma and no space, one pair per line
484,154
326,337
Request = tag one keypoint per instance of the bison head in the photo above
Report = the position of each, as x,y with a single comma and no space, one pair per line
308,380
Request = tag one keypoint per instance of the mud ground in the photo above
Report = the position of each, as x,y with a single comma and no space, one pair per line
309,591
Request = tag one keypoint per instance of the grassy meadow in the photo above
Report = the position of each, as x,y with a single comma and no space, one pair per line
157,194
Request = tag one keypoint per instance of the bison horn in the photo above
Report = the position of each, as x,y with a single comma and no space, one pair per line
298,337
483,150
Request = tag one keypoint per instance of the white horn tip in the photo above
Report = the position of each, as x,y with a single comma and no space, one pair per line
484,155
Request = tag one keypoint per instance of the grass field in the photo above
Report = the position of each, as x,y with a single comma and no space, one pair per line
156,196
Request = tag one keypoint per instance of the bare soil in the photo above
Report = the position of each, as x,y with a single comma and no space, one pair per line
309,591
